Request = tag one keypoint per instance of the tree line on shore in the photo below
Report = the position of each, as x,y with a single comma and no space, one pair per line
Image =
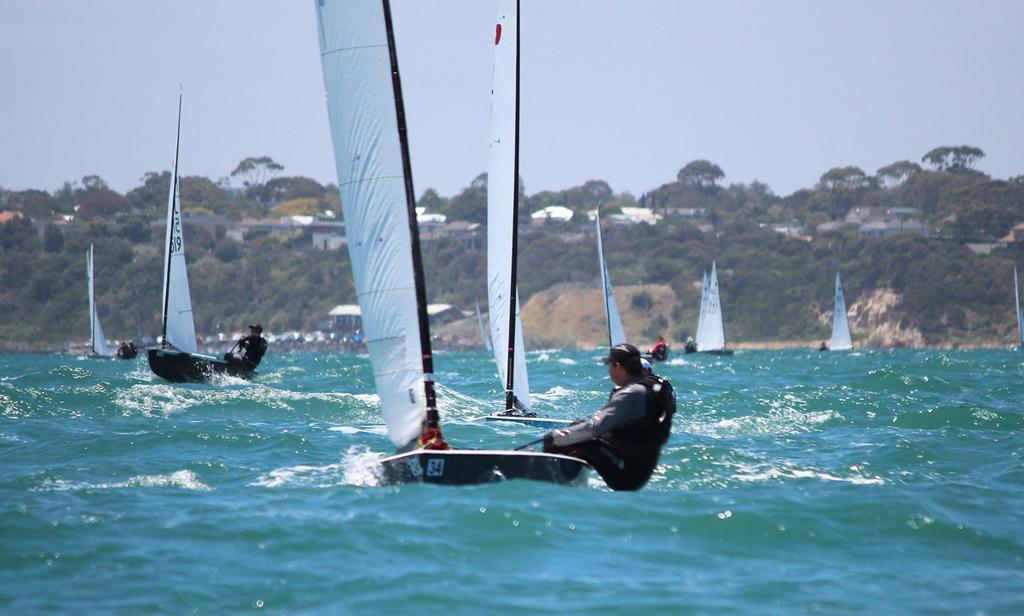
773,287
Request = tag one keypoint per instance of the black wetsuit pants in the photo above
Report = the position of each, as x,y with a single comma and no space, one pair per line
622,468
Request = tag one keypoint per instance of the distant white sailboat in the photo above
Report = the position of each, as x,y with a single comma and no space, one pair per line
841,339
616,333
711,328
371,152
1020,320
97,341
177,358
503,226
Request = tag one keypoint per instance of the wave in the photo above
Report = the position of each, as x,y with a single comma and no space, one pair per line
182,479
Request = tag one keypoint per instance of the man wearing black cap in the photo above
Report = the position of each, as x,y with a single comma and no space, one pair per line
250,348
623,440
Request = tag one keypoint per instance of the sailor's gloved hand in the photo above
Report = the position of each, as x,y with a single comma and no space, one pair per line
549,441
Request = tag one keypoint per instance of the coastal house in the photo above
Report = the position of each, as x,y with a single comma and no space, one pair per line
558,213
635,216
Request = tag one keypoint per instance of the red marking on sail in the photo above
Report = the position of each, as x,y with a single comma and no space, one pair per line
497,33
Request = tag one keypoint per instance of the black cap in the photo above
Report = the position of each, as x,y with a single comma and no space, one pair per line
625,354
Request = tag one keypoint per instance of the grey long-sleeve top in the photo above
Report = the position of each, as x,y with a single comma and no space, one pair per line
626,404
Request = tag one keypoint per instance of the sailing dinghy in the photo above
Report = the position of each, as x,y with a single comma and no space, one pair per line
371,152
616,333
841,339
177,358
710,326
503,227
97,342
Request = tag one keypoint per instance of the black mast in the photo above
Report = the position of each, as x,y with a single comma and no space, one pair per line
171,222
414,234
510,397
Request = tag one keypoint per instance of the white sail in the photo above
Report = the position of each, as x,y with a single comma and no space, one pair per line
483,333
501,193
99,343
1016,293
712,336
702,315
841,340
616,335
361,106
179,328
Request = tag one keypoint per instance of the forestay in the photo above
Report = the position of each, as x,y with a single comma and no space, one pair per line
361,106
712,335
841,339
99,342
501,205
179,328
616,334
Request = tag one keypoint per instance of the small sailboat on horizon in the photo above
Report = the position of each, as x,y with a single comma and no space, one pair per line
97,341
177,358
710,324
1020,317
841,338
371,151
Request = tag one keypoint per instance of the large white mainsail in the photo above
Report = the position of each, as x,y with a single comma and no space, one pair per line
712,334
179,328
98,341
841,340
1016,294
502,201
363,99
616,334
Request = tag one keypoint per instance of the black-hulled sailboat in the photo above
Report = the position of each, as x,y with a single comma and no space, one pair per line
368,129
177,358
710,324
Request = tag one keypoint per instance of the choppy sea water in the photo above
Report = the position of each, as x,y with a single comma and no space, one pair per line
793,481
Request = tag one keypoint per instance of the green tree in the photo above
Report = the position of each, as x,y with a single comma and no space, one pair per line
256,170
895,173
953,158
701,174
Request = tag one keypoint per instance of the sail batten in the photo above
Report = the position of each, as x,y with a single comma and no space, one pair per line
616,333
502,204
366,117
841,338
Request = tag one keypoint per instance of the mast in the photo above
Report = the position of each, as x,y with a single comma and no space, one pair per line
512,299
1016,293
170,235
432,418
92,305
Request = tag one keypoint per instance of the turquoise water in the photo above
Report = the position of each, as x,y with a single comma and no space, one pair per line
794,481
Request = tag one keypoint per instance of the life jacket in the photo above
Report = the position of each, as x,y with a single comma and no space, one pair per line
656,425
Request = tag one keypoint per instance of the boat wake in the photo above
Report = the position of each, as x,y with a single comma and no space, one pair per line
183,479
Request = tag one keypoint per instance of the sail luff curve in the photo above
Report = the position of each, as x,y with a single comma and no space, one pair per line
96,337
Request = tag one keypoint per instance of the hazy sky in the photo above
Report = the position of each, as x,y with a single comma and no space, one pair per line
623,90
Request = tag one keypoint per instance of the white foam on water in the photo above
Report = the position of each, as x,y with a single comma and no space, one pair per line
183,479
770,472
567,361
380,430
357,467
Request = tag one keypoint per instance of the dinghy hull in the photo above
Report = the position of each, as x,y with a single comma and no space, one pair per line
181,367
472,467
547,423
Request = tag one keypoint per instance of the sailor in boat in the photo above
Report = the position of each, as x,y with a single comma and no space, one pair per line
127,349
690,346
623,440
250,348
659,352
822,346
